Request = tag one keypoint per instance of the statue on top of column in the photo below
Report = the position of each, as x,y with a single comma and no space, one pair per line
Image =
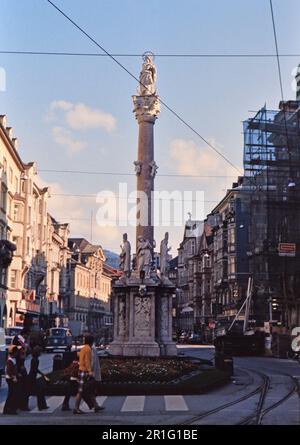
148,76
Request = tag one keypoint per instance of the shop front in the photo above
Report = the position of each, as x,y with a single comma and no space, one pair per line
27,313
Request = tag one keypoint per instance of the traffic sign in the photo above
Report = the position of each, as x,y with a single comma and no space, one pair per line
287,249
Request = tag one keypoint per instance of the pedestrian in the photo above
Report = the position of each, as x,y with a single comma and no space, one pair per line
20,339
35,386
85,374
23,395
11,403
73,373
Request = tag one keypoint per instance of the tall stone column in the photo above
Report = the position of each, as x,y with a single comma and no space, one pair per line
146,110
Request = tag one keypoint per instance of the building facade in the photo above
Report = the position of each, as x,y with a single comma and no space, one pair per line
89,288
30,289
186,311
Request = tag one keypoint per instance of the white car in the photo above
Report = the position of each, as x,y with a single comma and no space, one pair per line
2,353
2,340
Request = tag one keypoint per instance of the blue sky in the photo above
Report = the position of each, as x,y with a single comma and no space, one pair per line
213,95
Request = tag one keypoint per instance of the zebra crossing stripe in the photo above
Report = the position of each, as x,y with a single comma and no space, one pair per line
175,403
53,402
133,403
2,406
100,401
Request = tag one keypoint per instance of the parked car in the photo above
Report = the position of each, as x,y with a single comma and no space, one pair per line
194,339
10,333
2,353
59,339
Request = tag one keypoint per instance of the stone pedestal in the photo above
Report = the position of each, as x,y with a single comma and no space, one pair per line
142,323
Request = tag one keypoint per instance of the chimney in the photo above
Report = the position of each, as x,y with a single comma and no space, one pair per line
3,120
9,132
15,143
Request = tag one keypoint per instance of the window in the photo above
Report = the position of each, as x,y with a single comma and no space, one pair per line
17,216
193,247
231,265
13,279
4,165
28,246
16,241
3,196
29,215
231,238
10,175
16,184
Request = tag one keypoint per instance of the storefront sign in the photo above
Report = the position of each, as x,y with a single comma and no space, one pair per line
25,306
287,249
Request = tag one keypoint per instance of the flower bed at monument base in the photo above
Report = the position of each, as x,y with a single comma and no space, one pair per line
146,376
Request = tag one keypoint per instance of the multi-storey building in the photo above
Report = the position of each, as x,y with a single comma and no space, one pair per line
187,258
89,288
230,263
31,285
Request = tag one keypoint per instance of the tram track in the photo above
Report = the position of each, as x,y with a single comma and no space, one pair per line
260,411
257,390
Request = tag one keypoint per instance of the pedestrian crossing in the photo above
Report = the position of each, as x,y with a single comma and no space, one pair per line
120,404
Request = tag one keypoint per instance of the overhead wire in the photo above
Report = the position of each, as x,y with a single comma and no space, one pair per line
138,80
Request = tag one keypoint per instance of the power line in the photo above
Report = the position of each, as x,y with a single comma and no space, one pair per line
89,172
277,51
135,78
178,55
74,195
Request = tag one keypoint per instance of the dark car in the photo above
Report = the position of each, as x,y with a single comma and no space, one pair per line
194,339
59,339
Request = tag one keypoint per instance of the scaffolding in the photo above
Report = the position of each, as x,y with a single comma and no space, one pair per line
272,179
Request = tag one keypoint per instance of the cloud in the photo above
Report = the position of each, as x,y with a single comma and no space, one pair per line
81,117
77,212
190,159
63,137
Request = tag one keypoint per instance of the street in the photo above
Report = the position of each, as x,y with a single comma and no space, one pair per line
263,390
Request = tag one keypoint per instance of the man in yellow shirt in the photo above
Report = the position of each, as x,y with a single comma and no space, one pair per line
85,374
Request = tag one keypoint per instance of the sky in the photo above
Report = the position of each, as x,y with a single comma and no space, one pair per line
75,113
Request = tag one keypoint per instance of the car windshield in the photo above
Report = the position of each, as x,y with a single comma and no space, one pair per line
12,331
57,332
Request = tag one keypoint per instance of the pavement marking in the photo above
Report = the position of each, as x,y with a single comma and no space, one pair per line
53,402
100,401
175,403
133,403
2,406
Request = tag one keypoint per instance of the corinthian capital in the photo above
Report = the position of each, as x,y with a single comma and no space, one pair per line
146,108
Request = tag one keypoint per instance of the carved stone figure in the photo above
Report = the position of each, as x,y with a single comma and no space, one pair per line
148,77
164,254
125,256
154,168
138,167
142,315
144,256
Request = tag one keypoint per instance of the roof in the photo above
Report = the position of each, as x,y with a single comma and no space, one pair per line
111,271
84,246
193,229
